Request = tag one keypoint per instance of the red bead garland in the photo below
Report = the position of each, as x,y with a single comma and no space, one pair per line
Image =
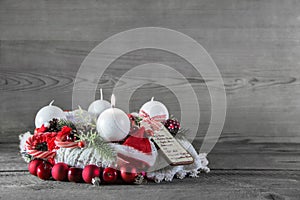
62,172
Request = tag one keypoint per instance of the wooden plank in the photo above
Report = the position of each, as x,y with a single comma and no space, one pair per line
89,20
215,185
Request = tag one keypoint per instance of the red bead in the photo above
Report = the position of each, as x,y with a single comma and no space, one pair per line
44,171
60,171
75,175
89,172
32,166
109,175
128,173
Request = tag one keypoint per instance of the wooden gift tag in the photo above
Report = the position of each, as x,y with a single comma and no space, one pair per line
172,150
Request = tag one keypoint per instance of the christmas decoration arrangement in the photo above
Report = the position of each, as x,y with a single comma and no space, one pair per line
104,145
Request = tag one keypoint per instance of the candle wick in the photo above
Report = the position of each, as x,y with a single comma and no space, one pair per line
101,94
113,101
152,98
50,104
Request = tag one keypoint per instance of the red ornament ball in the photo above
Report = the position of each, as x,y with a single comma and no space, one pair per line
60,171
128,173
75,175
89,172
109,175
32,167
172,125
44,171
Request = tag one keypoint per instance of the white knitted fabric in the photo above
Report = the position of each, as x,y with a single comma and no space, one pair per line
81,157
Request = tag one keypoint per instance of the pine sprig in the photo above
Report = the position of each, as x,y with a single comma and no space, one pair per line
172,117
137,120
63,122
86,131
27,158
93,140
84,120
183,132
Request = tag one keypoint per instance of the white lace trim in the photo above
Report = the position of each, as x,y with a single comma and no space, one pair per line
181,171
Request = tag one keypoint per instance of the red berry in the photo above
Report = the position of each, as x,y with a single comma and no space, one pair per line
172,125
89,172
81,144
32,167
44,171
75,175
128,173
130,116
132,119
60,171
109,175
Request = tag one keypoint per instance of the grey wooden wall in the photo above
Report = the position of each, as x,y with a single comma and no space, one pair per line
255,44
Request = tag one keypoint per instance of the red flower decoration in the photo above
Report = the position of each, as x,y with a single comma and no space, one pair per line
41,145
63,133
43,129
50,143
44,141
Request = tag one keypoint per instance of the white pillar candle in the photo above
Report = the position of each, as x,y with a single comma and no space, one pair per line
155,108
47,113
98,106
113,124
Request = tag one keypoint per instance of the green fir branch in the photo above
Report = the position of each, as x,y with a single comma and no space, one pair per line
63,122
85,121
27,158
183,132
93,140
86,131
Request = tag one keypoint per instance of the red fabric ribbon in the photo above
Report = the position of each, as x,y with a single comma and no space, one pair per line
152,124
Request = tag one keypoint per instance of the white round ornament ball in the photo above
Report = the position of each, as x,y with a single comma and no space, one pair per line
98,106
113,124
47,113
155,108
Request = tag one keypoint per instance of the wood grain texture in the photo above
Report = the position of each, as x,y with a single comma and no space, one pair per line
255,44
263,185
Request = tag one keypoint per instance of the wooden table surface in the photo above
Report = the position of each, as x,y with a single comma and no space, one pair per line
219,184
231,182
255,44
